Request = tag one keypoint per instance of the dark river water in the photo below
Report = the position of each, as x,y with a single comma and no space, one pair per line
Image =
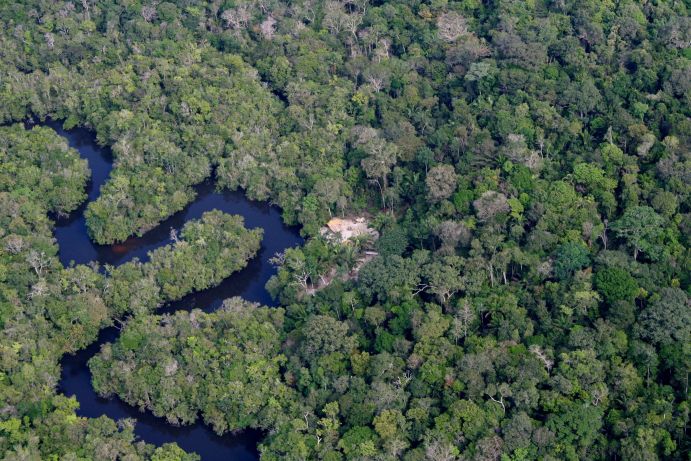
75,246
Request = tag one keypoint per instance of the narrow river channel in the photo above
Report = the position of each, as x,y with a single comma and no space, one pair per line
76,247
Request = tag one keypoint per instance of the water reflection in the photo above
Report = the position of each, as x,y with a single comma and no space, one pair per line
75,247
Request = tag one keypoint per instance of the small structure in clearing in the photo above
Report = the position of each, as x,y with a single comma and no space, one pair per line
344,229
340,231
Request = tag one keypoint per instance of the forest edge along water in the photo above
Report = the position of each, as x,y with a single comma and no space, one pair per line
75,247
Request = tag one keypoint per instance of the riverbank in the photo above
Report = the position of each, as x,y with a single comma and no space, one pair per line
75,247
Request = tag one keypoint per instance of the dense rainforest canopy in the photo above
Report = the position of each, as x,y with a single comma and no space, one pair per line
527,165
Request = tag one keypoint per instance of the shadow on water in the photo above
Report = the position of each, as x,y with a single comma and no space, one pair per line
76,247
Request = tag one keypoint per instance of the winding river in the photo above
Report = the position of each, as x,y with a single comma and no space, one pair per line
76,246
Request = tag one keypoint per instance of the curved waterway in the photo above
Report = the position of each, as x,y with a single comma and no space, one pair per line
75,246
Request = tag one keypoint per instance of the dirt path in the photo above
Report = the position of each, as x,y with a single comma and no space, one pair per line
326,280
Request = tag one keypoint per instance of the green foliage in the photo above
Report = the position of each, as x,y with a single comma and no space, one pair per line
616,284
38,165
570,257
642,229
223,365
64,435
504,142
666,318
394,241
208,251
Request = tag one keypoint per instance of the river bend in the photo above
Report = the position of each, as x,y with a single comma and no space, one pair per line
76,247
